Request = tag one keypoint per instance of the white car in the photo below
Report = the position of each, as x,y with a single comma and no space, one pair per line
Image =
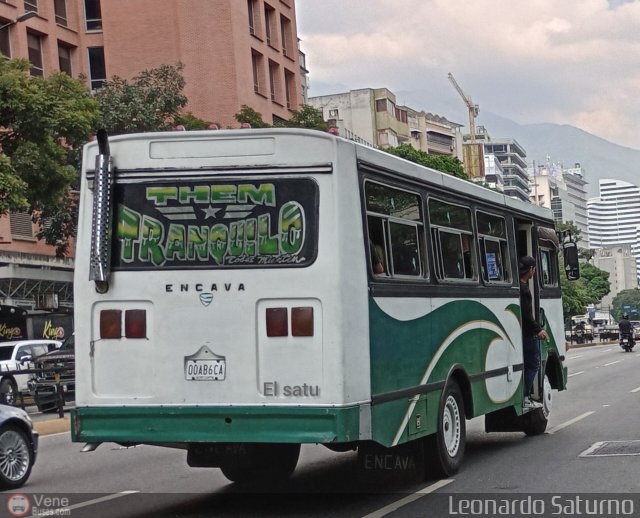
18,356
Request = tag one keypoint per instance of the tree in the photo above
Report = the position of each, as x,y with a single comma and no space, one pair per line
446,164
574,298
152,101
589,289
626,301
596,282
249,116
43,123
568,228
307,117
191,122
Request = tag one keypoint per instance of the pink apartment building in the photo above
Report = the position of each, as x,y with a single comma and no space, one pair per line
235,52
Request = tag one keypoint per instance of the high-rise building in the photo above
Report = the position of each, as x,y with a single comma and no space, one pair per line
574,202
512,158
234,52
563,191
614,217
493,172
513,162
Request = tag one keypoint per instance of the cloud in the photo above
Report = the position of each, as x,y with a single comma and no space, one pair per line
570,62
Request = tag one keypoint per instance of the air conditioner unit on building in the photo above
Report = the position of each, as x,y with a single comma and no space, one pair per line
47,301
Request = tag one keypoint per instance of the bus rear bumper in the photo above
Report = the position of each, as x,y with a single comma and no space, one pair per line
182,424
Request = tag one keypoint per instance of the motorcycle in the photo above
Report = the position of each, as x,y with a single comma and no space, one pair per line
626,342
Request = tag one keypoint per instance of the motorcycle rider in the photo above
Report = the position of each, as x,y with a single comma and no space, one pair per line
626,328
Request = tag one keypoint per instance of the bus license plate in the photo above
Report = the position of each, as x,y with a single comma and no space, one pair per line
205,370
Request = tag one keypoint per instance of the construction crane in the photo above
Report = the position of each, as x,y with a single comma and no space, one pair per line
473,108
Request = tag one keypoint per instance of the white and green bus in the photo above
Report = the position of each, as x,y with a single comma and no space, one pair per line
226,300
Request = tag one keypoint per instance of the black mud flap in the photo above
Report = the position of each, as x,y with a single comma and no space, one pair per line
504,420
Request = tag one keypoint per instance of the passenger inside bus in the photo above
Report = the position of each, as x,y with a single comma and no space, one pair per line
376,263
376,246
466,255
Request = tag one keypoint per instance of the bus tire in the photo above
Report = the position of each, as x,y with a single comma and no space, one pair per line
262,463
8,392
444,450
536,420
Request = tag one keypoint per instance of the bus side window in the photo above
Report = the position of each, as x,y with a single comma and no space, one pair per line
404,249
394,225
494,249
452,257
452,237
548,267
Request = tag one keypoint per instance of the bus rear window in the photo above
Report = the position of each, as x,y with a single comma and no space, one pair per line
215,224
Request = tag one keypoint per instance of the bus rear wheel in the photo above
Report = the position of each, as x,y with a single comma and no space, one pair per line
444,450
262,463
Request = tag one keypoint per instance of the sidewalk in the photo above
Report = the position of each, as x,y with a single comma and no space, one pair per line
569,345
51,426
48,424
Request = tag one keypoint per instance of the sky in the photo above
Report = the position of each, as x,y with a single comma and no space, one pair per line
571,62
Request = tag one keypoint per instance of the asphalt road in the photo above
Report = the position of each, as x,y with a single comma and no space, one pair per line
602,404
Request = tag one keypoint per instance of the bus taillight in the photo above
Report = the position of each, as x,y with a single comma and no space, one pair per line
135,323
277,322
302,321
110,323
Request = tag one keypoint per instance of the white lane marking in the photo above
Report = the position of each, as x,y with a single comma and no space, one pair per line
589,451
570,422
611,363
635,390
408,499
591,448
575,374
605,350
574,357
101,499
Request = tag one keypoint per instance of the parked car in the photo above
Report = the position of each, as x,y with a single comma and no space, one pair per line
18,447
17,356
43,385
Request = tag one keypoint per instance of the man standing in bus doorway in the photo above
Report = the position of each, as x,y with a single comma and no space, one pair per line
532,331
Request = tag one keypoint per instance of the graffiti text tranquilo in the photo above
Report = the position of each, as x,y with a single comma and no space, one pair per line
228,224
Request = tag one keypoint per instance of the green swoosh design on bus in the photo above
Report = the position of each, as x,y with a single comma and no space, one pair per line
403,351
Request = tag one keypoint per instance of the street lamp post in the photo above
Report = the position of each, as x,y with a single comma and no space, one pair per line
21,18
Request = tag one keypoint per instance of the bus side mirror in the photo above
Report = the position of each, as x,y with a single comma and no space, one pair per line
571,262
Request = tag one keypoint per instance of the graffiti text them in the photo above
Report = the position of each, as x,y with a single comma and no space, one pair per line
263,194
